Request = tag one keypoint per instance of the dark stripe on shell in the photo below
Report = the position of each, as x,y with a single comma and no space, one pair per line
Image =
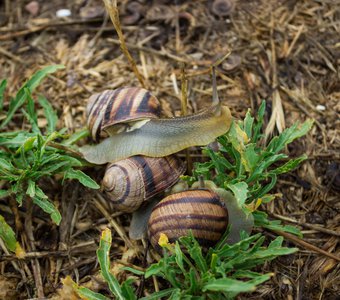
93,105
148,175
210,200
125,106
97,105
147,106
189,216
108,111
197,226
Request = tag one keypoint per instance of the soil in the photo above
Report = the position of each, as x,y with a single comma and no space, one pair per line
286,52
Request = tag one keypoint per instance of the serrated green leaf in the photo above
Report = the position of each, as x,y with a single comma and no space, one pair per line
267,187
240,191
7,165
30,188
14,140
87,294
127,290
82,178
290,165
258,124
3,85
276,243
132,270
31,114
39,192
248,124
250,158
31,84
179,257
4,193
195,252
154,269
229,285
161,294
48,207
301,130
77,136
7,234
50,114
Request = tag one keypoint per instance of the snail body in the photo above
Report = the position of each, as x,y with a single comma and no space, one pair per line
130,182
123,109
200,211
161,137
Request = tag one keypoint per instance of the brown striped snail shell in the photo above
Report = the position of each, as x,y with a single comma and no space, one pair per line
200,211
123,109
130,182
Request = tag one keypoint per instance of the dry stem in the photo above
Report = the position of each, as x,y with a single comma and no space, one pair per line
112,9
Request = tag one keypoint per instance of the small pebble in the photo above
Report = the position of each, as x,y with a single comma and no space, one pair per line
62,13
33,8
320,107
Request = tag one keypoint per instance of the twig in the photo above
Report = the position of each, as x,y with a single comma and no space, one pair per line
12,56
112,222
164,53
112,9
307,225
184,112
304,244
42,254
31,244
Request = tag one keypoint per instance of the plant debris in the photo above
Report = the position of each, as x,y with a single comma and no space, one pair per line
287,53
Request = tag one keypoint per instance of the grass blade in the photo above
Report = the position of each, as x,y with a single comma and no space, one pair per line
50,114
7,234
82,178
104,261
31,84
3,85
229,285
49,208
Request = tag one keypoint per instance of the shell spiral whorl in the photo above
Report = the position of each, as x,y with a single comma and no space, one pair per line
116,110
131,181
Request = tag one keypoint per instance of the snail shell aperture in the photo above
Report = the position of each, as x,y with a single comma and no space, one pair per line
130,182
200,211
119,110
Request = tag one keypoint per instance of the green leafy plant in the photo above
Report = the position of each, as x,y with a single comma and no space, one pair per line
27,156
224,271
248,167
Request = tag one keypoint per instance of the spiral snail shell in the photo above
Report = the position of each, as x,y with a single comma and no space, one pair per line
120,110
130,182
200,211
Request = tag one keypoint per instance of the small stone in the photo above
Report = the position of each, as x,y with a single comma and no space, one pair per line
320,107
33,8
222,8
62,13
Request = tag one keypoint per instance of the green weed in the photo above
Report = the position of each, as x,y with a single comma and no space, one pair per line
27,156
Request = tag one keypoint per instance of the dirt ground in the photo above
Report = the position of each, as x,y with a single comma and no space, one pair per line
287,52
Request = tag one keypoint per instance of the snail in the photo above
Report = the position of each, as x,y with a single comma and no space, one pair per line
132,181
123,109
155,137
200,211
206,212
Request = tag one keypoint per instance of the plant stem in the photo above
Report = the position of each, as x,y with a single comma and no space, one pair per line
112,9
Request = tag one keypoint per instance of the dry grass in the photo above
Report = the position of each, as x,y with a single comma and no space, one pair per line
286,52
